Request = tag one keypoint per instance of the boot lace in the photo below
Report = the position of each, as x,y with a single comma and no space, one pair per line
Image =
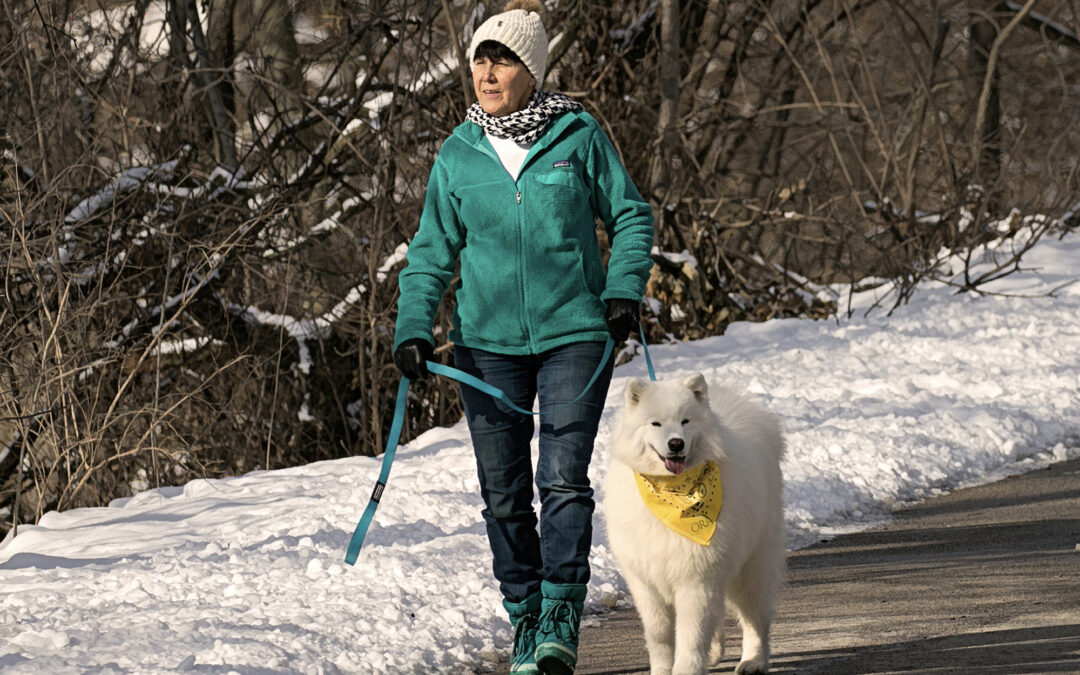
560,618
525,636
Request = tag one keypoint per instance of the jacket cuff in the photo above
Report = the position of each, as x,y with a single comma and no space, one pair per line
621,293
402,333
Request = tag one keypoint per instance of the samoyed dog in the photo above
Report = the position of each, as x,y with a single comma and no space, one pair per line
681,584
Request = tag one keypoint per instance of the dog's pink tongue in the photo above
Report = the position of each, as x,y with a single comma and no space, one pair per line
675,465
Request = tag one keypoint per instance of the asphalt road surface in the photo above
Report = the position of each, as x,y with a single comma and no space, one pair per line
982,580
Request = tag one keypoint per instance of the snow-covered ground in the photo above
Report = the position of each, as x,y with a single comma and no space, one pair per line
246,575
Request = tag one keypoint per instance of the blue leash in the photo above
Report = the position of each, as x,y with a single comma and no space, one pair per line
645,348
499,394
399,417
384,475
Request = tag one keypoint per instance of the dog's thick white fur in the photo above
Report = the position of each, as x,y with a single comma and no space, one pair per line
680,587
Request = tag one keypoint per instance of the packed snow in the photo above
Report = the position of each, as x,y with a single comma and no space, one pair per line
246,574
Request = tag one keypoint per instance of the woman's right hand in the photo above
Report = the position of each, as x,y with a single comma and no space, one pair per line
622,317
411,357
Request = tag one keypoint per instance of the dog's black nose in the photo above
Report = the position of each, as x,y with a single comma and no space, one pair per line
676,445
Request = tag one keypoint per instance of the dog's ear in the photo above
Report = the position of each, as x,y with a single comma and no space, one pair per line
635,388
696,383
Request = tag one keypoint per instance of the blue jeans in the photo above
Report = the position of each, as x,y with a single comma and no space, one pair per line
501,438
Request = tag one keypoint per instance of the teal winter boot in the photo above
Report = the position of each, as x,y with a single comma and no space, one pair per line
524,617
560,620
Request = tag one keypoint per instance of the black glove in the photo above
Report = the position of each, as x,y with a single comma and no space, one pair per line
622,317
411,356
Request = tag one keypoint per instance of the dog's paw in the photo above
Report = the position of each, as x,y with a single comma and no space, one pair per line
753,667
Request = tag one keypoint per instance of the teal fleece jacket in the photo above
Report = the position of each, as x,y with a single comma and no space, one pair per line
531,274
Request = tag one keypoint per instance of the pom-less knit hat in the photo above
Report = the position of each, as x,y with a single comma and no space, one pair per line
522,31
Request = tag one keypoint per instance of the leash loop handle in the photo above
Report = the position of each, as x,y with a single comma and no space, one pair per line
388,459
498,394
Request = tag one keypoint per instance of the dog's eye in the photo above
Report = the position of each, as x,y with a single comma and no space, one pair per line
656,424
686,421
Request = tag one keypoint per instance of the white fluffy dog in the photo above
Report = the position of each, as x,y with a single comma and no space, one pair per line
680,586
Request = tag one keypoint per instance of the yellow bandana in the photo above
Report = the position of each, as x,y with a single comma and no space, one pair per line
687,503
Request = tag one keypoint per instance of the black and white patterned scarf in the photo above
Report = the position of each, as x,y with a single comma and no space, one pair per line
528,124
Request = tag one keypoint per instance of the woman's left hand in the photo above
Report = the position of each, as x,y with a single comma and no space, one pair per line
411,358
622,317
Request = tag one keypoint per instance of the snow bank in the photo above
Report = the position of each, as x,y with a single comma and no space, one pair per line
246,574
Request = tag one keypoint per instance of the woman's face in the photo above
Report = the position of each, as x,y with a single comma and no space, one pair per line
501,87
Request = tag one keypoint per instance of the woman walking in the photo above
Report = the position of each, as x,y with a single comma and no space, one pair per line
513,196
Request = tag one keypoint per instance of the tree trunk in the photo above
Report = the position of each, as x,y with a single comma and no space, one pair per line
667,124
215,91
987,135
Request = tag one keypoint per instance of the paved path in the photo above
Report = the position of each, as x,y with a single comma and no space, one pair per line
983,580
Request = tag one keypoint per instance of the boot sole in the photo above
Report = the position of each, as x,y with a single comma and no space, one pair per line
554,666
552,660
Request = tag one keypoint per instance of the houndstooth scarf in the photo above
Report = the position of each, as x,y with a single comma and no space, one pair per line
528,124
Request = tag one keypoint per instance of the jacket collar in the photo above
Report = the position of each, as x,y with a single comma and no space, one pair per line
474,136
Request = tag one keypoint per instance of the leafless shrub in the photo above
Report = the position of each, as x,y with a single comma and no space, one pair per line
203,220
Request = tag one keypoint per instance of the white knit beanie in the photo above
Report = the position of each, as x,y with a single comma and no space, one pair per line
522,31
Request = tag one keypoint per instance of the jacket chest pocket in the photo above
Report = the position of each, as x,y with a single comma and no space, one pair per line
562,189
568,236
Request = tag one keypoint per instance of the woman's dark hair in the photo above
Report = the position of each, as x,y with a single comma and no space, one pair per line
495,51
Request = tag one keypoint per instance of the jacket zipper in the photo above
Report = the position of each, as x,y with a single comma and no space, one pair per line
523,274
523,317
